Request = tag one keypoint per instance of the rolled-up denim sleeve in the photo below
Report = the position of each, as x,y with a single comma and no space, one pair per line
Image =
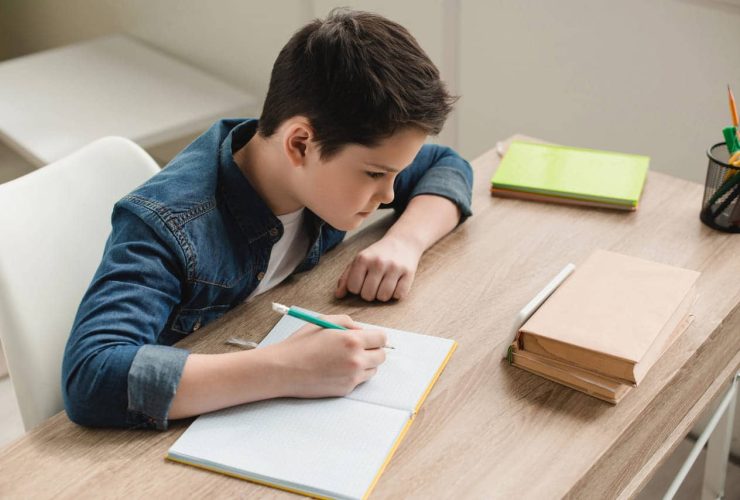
152,382
114,374
437,170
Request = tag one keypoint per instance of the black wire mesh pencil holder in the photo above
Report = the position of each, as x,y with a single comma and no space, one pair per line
720,208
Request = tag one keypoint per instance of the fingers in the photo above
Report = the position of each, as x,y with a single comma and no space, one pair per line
370,286
374,358
372,281
388,285
371,339
341,289
403,287
368,374
375,279
356,276
340,319
378,272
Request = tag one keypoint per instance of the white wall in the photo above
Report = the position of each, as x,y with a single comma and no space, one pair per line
634,75
639,76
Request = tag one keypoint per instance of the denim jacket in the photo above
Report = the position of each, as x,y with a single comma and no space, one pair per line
185,247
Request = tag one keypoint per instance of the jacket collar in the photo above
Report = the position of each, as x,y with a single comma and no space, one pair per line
249,210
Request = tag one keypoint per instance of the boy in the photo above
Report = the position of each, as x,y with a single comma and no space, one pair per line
350,103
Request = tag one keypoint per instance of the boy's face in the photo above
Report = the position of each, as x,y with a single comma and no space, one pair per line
351,185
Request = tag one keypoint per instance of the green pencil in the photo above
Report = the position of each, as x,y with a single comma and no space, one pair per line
310,318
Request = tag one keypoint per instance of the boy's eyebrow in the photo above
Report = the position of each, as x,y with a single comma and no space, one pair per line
386,168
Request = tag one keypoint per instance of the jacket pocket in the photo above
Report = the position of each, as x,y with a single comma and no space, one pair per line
191,320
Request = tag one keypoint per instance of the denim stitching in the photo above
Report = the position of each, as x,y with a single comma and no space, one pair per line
166,217
175,225
200,312
221,284
194,213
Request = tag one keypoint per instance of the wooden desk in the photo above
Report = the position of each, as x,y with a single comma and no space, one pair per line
487,429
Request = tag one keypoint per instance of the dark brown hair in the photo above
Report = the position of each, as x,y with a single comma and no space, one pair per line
358,77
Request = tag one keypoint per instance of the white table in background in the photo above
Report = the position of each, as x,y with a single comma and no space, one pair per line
56,101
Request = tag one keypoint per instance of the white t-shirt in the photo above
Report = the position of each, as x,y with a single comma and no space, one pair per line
286,254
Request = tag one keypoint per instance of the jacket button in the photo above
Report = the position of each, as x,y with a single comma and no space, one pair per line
196,325
260,276
273,231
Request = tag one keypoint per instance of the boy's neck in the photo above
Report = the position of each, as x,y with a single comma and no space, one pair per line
261,162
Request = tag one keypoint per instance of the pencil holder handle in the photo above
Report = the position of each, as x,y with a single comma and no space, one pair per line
721,205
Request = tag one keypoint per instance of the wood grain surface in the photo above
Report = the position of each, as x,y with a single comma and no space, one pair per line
487,430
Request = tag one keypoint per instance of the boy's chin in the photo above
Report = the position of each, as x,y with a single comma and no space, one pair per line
346,224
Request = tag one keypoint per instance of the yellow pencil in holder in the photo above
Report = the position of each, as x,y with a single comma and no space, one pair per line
735,160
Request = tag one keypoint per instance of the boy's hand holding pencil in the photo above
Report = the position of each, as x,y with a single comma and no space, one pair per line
319,362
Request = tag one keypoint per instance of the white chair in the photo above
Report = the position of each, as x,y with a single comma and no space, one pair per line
53,226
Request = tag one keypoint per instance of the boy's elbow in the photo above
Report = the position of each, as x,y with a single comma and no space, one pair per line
76,412
468,173
80,405
90,395
463,164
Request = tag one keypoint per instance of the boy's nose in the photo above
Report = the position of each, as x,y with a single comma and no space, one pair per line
387,194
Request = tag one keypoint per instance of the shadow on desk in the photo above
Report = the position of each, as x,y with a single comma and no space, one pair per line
545,394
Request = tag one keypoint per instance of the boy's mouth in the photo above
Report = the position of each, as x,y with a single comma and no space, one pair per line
367,212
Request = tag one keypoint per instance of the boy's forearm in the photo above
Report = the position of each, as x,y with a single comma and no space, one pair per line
210,382
427,218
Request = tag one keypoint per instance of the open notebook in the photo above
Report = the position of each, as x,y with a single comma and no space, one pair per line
327,448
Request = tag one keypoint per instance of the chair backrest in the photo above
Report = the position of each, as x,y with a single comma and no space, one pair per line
54,223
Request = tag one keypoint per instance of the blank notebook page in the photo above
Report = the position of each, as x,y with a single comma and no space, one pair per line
330,447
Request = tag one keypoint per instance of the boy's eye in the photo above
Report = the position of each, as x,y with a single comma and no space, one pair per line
375,175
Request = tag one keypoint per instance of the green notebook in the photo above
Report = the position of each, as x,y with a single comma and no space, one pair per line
563,174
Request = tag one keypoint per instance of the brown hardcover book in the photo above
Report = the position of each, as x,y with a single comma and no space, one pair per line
613,316
605,388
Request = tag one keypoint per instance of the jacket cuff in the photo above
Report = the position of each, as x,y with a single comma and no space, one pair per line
152,382
450,183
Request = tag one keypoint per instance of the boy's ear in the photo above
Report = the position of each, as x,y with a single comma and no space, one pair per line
297,140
